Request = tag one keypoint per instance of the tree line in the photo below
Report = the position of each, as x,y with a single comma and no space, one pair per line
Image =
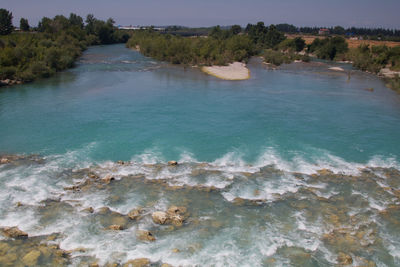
55,44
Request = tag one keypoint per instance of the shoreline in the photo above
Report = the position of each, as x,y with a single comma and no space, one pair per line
236,71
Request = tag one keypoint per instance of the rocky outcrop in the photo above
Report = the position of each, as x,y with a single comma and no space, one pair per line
344,259
7,82
145,235
174,215
141,262
160,217
115,227
135,214
14,232
107,179
172,163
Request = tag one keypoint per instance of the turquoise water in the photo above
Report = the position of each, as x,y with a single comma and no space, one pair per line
250,153
124,104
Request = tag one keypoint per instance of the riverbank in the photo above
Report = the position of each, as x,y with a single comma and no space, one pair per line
233,72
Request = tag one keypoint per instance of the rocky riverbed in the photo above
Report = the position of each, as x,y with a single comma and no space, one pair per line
135,214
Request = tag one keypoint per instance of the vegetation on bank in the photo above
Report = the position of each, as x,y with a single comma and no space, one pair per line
53,46
220,47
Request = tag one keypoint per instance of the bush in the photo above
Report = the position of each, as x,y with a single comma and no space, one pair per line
7,72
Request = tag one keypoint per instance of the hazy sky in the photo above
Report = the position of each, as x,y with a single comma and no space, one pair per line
369,13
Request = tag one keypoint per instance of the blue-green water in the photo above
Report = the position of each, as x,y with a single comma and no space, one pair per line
262,139
124,104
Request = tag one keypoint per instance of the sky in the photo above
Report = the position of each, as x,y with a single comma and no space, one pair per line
360,13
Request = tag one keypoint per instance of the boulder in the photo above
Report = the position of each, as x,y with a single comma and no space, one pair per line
166,265
135,214
173,210
31,258
141,262
176,220
160,217
344,259
145,235
107,179
115,227
4,161
89,210
14,232
172,163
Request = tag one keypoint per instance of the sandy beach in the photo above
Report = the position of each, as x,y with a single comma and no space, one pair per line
234,71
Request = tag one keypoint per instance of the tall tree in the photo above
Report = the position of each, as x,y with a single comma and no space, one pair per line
24,25
6,26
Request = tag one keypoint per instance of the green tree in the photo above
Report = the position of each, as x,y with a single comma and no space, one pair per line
24,25
6,26
76,20
299,44
236,29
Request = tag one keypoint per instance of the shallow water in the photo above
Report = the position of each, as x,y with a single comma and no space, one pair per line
250,154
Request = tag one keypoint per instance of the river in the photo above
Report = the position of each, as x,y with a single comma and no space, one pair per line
297,166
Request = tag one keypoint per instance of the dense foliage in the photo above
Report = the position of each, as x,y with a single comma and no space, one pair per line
54,47
6,26
264,37
219,48
374,58
328,48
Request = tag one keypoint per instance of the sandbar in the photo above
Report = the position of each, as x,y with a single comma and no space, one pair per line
234,71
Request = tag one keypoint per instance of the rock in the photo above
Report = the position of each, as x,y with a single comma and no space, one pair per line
145,235
120,162
31,258
90,210
344,259
4,161
175,250
135,214
115,227
166,265
238,201
176,210
141,262
104,210
107,179
14,232
93,176
176,220
324,172
160,217
172,163
19,204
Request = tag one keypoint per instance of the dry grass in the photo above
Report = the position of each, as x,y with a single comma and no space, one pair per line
352,43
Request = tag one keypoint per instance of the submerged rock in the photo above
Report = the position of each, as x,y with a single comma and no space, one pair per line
115,227
135,214
31,258
344,259
145,235
141,262
14,232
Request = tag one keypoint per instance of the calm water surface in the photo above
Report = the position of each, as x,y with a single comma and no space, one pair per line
257,145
